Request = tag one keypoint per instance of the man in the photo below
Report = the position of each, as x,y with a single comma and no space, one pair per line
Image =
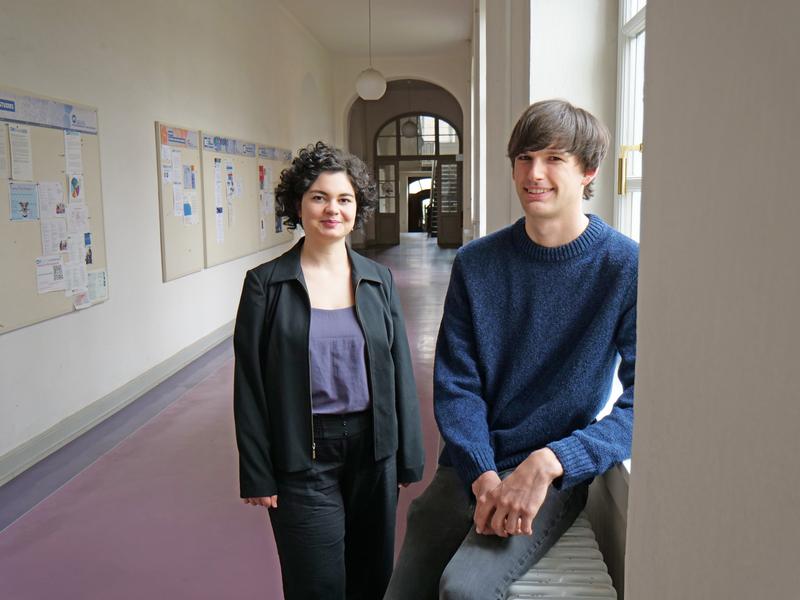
534,319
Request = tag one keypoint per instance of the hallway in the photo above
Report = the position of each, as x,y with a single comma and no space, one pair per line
157,515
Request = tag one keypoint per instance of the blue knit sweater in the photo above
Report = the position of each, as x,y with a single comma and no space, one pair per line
527,349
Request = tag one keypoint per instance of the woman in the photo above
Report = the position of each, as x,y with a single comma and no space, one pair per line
327,418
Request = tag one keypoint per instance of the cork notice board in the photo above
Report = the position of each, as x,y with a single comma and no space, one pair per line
52,240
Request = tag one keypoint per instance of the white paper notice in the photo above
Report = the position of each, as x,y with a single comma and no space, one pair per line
177,199
75,248
77,217
75,182
166,156
54,236
177,166
268,178
72,152
21,157
98,285
75,277
4,174
219,192
220,226
49,274
51,200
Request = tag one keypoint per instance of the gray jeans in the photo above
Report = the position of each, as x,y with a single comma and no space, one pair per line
443,557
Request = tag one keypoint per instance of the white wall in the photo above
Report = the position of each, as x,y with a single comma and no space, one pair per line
715,487
243,69
574,57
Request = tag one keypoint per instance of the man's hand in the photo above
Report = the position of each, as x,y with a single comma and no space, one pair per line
485,483
267,501
510,507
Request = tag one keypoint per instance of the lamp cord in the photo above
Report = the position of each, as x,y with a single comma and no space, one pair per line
370,33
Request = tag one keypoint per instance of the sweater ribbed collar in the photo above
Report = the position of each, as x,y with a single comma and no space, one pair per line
596,230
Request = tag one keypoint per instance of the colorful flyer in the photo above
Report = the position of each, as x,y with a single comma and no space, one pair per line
24,201
75,182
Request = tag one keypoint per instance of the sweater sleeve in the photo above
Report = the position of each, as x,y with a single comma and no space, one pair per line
249,401
592,451
410,453
460,409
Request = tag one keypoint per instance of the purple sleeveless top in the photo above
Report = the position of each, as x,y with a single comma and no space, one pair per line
338,362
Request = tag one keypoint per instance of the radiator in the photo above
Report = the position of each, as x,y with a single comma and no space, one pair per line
573,568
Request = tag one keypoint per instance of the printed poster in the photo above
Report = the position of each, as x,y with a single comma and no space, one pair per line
49,274
72,152
23,201
97,285
21,155
54,236
51,200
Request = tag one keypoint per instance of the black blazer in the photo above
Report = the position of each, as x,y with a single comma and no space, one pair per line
272,387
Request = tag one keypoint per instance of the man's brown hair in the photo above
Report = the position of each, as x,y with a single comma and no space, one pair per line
560,125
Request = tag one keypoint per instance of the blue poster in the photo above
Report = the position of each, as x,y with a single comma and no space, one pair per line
24,201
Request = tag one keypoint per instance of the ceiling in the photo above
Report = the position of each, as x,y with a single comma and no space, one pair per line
399,27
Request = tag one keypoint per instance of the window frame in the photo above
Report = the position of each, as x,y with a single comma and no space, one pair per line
627,206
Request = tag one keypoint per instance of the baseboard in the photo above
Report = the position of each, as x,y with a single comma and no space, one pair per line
29,453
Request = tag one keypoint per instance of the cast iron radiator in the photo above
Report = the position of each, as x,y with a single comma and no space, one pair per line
573,568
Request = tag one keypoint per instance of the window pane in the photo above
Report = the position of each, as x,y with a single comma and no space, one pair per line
428,135
387,145
389,129
409,144
387,140
448,138
632,7
387,191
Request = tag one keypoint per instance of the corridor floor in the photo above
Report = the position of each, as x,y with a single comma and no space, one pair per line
158,515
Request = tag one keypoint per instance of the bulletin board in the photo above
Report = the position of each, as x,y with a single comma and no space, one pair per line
270,163
180,196
230,198
52,242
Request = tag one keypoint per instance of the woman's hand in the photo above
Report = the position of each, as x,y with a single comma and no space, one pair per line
267,501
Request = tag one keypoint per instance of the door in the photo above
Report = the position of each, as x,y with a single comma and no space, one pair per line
387,219
448,201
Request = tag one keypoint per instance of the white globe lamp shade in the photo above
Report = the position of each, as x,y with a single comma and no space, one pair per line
370,84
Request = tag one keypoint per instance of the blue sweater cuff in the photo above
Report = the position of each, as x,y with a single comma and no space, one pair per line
476,462
577,463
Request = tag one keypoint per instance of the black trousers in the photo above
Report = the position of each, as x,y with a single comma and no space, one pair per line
334,525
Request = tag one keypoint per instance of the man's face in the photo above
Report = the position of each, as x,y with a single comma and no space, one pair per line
549,183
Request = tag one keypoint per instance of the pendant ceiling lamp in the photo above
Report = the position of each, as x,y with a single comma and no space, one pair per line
370,84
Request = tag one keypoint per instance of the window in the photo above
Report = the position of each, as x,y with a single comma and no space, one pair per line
417,135
630,116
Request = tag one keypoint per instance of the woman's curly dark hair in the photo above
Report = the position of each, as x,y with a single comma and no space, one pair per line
309,163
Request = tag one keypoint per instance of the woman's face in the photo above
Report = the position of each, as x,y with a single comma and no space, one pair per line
328,208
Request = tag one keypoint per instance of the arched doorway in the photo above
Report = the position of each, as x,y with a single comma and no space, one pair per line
408,148
413,132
